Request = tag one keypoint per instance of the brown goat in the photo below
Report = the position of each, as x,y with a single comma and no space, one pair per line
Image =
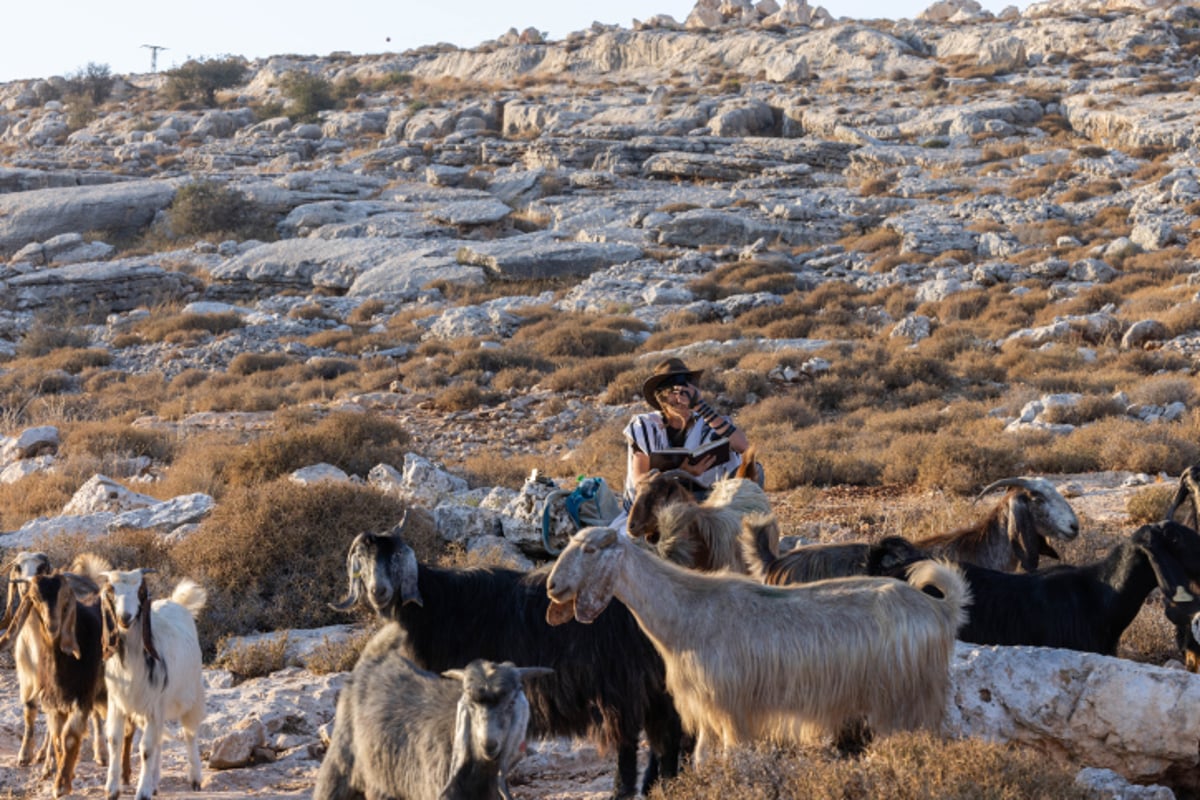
69,665
702,535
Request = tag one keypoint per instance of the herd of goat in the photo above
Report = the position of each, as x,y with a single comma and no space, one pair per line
690,628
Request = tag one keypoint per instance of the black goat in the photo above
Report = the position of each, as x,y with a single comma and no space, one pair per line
1176,563
608,681
1084,607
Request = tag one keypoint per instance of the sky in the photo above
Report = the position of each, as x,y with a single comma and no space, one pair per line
61,37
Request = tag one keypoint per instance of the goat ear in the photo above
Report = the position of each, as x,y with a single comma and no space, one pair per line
144,611
18,619
1022,534
534,672
409,572
68,642
108,626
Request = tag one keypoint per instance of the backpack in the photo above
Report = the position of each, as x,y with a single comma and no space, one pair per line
591,502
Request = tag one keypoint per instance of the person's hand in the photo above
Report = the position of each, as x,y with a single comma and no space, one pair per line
698,468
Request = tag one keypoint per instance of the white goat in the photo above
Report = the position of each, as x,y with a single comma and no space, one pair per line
406,733
152,672
747,661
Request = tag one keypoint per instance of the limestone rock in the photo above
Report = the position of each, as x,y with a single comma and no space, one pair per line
122,208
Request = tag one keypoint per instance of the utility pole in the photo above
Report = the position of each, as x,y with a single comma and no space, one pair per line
154,48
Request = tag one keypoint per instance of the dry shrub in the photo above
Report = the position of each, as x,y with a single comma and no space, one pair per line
816,456
489,468
172,325
592,376
1127,444
42,494
952,462
903,766
329,656
1149,504
463,396
626,385
353,442
255,659
249,363
738,386
109,438
516,379
1164,390
787,411
470,357
573,336
740,277
50,332
273,555
74,360
874,241
1088,409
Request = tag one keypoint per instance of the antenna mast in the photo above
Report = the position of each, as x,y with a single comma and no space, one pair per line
154,48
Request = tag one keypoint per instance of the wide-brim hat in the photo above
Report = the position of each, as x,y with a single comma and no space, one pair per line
666,372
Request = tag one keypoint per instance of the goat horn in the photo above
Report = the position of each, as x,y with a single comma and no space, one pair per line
1180,494
351,598
1003,483
147,570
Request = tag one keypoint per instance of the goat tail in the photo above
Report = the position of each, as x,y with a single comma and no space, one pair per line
91,565
749,466
945,581
760,543
190,595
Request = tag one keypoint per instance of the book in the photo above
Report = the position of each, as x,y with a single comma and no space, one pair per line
672,457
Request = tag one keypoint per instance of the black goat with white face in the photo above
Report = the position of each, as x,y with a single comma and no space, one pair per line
608,682
1176,564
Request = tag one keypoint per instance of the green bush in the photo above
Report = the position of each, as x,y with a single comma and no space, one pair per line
208,208
307,95
95,82
200,79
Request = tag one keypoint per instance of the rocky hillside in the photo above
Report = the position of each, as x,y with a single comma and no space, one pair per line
965,224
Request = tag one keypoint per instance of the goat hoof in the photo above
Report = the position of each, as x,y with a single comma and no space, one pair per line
195,786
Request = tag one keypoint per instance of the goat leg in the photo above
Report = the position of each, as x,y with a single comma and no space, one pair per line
25,756
625,781
114,726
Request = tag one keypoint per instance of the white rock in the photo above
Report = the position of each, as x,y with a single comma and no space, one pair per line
101,493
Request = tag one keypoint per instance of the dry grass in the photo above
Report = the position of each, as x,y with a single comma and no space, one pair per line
906,766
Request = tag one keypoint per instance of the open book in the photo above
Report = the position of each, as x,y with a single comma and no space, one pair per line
674,456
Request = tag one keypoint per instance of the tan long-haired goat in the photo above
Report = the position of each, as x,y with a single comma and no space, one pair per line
747,661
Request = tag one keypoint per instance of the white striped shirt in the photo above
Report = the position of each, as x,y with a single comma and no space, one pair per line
646,433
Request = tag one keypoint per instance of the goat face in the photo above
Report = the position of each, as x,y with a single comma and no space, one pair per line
1174,554
379,566
655,490
24,566
582,581
1052,514
125,595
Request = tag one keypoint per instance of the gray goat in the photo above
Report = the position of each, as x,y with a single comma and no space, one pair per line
402,732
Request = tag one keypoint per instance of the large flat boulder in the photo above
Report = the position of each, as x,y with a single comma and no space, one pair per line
119,208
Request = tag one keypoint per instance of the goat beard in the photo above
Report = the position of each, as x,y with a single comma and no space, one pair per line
586,612
560,613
